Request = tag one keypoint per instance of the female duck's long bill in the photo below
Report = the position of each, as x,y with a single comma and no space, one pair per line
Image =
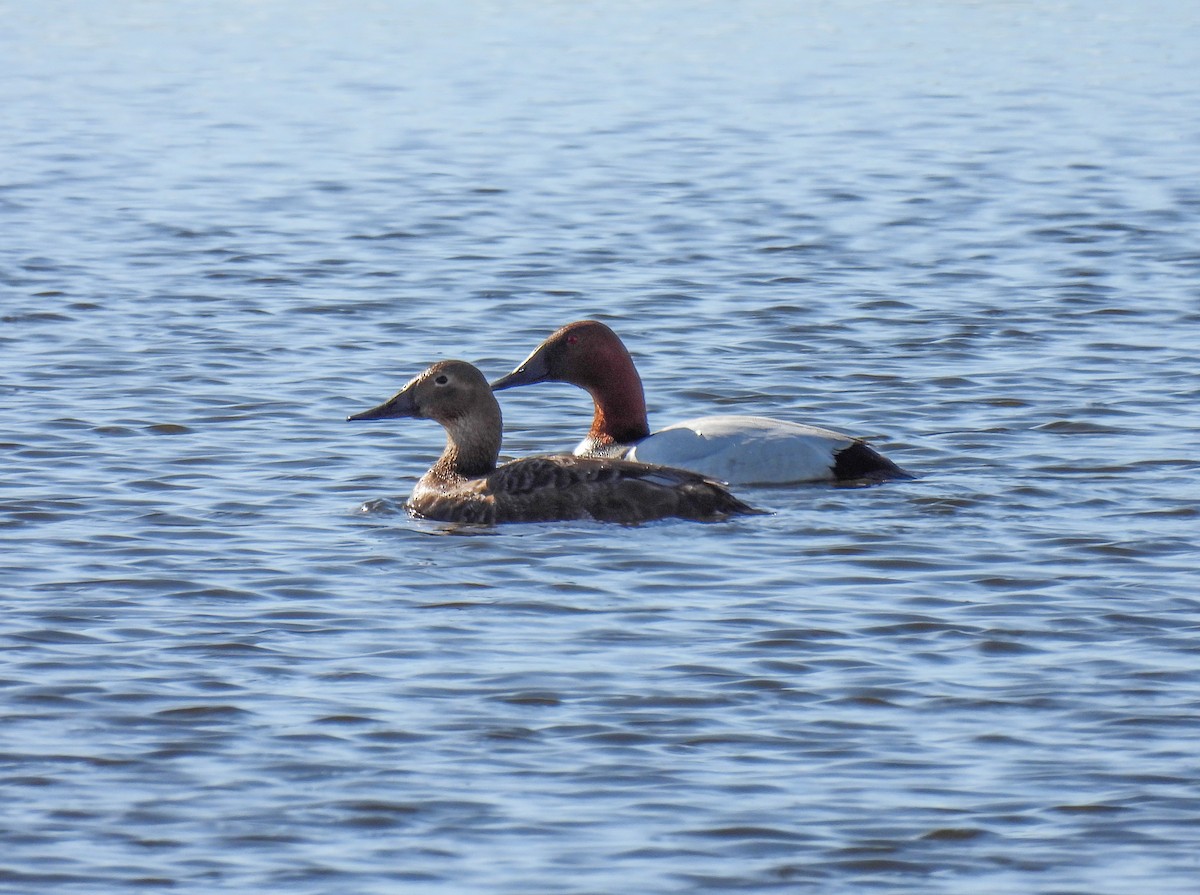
398,406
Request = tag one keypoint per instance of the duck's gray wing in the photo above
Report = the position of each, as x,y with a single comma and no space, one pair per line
564,470
616,490
549,472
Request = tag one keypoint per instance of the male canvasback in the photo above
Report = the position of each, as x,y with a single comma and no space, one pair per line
465,485
731,449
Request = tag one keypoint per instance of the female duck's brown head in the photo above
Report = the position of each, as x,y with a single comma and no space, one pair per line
591,356
455,394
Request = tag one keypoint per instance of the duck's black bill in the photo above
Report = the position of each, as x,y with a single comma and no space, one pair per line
535,369
397,407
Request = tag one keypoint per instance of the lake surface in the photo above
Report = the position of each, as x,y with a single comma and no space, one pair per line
969,232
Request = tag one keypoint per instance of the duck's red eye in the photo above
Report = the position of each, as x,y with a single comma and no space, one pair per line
572,339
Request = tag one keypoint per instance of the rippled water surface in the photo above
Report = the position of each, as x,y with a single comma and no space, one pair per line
967,232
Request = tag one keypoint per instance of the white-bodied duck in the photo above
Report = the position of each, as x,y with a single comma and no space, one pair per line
732,449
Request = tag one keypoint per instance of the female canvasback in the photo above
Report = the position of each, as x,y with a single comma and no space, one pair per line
731,449
465,485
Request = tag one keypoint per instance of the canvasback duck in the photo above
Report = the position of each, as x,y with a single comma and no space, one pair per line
465,484
733,449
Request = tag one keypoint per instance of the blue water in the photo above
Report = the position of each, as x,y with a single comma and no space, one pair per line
967,232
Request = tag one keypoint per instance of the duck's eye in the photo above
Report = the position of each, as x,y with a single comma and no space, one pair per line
442,380
572,339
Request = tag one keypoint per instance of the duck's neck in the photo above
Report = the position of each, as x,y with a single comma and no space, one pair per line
620,403
472,445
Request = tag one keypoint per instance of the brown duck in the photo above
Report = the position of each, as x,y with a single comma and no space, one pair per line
466,485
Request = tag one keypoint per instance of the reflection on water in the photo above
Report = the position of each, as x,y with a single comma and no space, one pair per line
963,232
